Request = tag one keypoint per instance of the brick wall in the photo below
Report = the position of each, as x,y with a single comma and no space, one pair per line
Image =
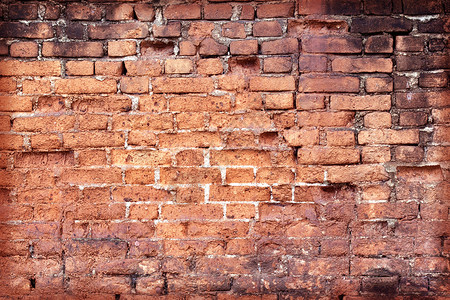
257,149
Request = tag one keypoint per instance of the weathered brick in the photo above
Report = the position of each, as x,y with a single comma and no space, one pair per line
15,103
119,12
312,63
22,11
118,31
374,7
80,12
144,12
362,65
36,86
327,156
325,119
412,8
410,118
72,49
209,47
24,49
240,157
267,28
182,85
134,85
409,43
379,44
332,44
182,11
149,67
190,175
90,139
357,173
143,122
433,80
302,137
113,68
221,11
323,7
30,68
44,124
121,48
389,136
77,67
281,46
234,30
246,47
328,83
379,102
85,86
22,30
178,66
172,29
380,24
209,66
379,84
279,101
247,12
197,103
378,120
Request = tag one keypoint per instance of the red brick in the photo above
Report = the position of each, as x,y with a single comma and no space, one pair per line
143,212
332,44
101,104
346,7
379,84
121,48
140,194
426,174
277,10
45,141
143,122
187,48
141,138
267,28
172,29
327,156
92,158
301,137
91,139
374,7
389,136
189,158
240,158
190,120
200,29
11,142
78,12
340,138
149,67
192,212
140,157
144,12
198,103
239,193
253,120
277,64
72,49
93,122
437,153
286,83
440,116
275,175
325,119
210,66
375,154
362,65
119,12
409,154
227,229
240,175
100,175
76,67
118,31
113,68
281,46
328,83
232,82
234,30
190,140
279,101
246,47
182,85
7,84
30,68
190,175
5,123
357,173
378,120
209,47
136,85
15,103
247,12
379,44
36,87
379,102
44,124
305,101
221,11
182,11
85,86
312,63
24,49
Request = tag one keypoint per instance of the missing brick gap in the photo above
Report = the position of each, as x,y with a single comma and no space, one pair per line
117,296
32,283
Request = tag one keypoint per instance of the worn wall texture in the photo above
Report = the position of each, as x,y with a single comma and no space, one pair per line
218,150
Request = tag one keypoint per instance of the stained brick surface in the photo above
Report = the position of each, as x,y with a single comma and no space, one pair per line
215,149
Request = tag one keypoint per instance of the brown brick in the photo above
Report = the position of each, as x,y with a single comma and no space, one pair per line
332,44
379,44
221,11
380,24
413,8
247,13
85,86
79,12
182,85
323,7
277,10
72,49
77,67
328,83
374,7
178,66
409,154
234,30
172,29
433,80
30,68
281,46
209,47
411,118
312,63
118,31
20,11
24,49
121,48
409,43
119,12
21,30
379,102
182,11
362,65
144,12
267,28
246,47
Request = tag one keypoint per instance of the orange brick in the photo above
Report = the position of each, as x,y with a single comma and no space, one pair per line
191,120
379,84
389,136
325,119
375,154
44,124
46,141
327,156
121,48
141,157
140,176
246,47
377,120
92,122
150,67
92,158
190,140
272,83
251,120
301,137
140,194
82,176
210,66
328,83
76,67
143,122
113,68
340,138
90,139
240,175
240,158
11,142
142,138
134,85
381,102
178,66
239,211
197,103
279,101
239,193
357,173
36,86
182,85
190,175
30,68
362,65
275,175
7,84
190,158
143,212
192,212
24,49
85,86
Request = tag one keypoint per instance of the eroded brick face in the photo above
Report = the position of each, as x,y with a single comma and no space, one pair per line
221,149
